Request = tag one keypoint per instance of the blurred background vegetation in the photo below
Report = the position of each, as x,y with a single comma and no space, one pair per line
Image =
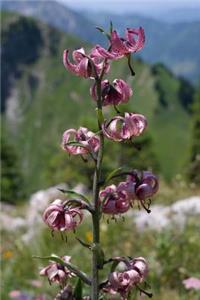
39,100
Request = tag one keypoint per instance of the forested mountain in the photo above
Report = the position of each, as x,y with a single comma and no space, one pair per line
176,45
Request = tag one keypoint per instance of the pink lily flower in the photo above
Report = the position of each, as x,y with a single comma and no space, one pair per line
120,47
114,201
57,273
83,66
83,136
122,282
147,186
124,128
59,217
118,92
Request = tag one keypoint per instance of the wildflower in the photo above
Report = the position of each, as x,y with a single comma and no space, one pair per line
123,128
57,273
88,140
192,283
147,186
89,236
122,282
114,201
140,187
120,47
7,254
59,217
83,63
118,92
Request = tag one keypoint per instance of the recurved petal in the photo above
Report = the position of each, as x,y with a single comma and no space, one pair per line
123,88
68,65
118,48
78,55
135,124
104,53
144,191
135,45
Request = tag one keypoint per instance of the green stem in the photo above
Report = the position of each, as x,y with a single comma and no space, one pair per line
96,213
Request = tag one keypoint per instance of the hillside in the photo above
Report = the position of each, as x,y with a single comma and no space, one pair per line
176,45
43,99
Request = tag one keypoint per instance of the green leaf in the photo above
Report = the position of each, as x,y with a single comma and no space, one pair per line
111,27
100,29
113,173
83,243
114,265
74,269
74,194
78,290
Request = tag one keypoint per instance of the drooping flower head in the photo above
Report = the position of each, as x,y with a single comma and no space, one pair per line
116,93
88,140
60,217
120,47
124,128
147,186
140,186
83,63
135,272
114,201
57,273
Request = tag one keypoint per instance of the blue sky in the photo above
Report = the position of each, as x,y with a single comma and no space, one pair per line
131,5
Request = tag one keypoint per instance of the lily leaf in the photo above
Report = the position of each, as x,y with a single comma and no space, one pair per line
113,173
74,194
111,27
114,265
83,243
78,290
100,29
74,269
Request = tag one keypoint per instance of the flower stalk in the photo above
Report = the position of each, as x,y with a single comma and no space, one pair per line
113,200
96,189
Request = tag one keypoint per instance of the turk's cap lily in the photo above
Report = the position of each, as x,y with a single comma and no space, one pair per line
120,47
57,273
147,186
114,201
62,218
135,273
84,65
124,128
88,140
112,94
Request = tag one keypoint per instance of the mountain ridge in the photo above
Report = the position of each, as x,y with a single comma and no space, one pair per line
175,45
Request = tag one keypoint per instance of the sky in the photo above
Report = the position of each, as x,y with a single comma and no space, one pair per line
131,5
